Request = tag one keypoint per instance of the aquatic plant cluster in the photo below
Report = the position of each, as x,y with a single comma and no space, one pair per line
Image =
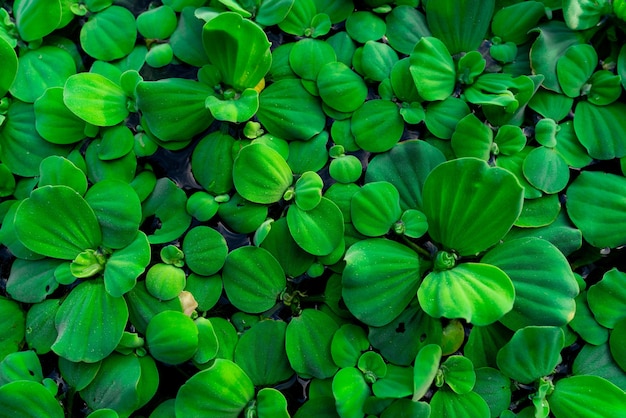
312,208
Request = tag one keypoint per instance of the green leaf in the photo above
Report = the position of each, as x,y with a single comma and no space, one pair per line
347,345
31,281
157,23
575,67
54,121
377,125
551,105
253,279
10,63
118,209
27,399
293,259
222,390
432,69
238,48
615,343
317,231
261,353
56,221
35,20
115,385
584,14
350,391
406,166
598,193
461,26
461,292
109,34
172,337
90,323
585,324
545,170
289,111
341,88
607,298
363,26
472,138
586,396
513,22
379,280
596,360
308,56
533,352
260,174
449,404
443,116
174,99
545,292
495,388
95,99
47,66
405,26
212,161
167,203
375,208
56,170
378,60
237,110
601,129
126,264
455,203
605,88
425,369
13,326
271,403
308,340
205,250
553,40
458,373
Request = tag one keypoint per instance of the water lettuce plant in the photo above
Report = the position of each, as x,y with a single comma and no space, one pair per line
312,208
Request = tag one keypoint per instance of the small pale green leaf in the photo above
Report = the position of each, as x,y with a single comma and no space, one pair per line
95,99
461,292
350,391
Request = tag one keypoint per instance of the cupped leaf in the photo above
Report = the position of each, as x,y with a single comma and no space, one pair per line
172,337
238,48
126,264
205,250
479,293
544,292
377,125
469,205
95,99
340,87
586,396
109,34
174,100
432,69
598,193
317,231
601,129
461,26
347,345
458,373
575,67
56,221
545,170
90,323
24,398
289,111
118,209
375,208
56,170
308,190
350,391
425,369
212,162
607,298
379,280
512,23
253,279
308,340
533,352
237,110
472,138
260,174
222,390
